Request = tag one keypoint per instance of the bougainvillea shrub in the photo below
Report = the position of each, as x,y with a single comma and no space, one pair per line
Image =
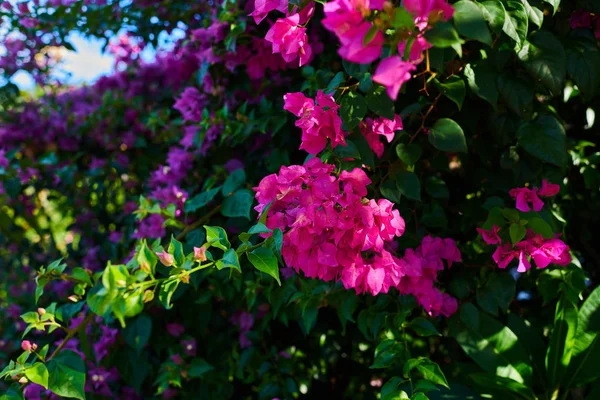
302,199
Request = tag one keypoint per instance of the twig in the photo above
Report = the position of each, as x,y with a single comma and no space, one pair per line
70,335
196,224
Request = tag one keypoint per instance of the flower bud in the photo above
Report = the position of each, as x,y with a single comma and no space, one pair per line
200,254
23,380
185,278
26,345
148,296
166,259
41,311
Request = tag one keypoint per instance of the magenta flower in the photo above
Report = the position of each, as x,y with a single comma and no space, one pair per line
548,189
189,347
290,39
264,7
392,72
504,255
490,236
429,10
580,19
524,196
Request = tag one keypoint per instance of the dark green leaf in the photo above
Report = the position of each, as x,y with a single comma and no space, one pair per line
199,367
353,109
265,261
389,352
437,188
453,88
67,375
497,292
429,369
583,58
380,103
517,233
562,341
230,260
494,13
409,153
544,58
545,139
138,333
423,327
238,205
482,81
447,135
443,35
470,22
408,184
200,200
233,182
516,22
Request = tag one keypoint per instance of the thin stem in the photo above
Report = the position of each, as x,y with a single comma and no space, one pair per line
70,335
196,224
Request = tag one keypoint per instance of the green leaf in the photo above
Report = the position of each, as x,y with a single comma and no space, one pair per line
380,103
506,387
389,352
176,250
447,135
409,153
230,260
238,205
497,292
167,289
494,13
217,237
200,200
146,258
482,81
370,35
540,226
265,261
57,267
353,109
233,182
536,16
67,375
470,21
335,82
493,346
349,151
408,184
583,58
516,22
437,188
545,139
402,19
554,4
517,233
38,373
390,191
82,276
516,92
429,369
199,367
391,390
423,327
586,351
138,333
13,393
443,35
453,88
115,277
543,56
562,341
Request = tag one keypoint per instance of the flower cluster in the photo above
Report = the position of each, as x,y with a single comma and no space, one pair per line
332,232
318,119
373,129
348,20
524,196
543,251
584,19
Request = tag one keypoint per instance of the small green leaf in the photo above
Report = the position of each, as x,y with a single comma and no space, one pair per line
370,35
199,367
545,139
217,237
443,35
402,19
437,188
167,289
408,184
517,233
146,258
176,250
265,261
200,200
380,103
230,260
233,182
562,341
409,153
423,327
447,135
138,333
38,373
353,109
453,88
429,369
389,352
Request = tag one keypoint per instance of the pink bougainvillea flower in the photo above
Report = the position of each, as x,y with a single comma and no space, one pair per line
345,18
524,196
200,254
504,255
166,259
490,236
429,10
290,39
264,7
318,120
392,72
548,189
